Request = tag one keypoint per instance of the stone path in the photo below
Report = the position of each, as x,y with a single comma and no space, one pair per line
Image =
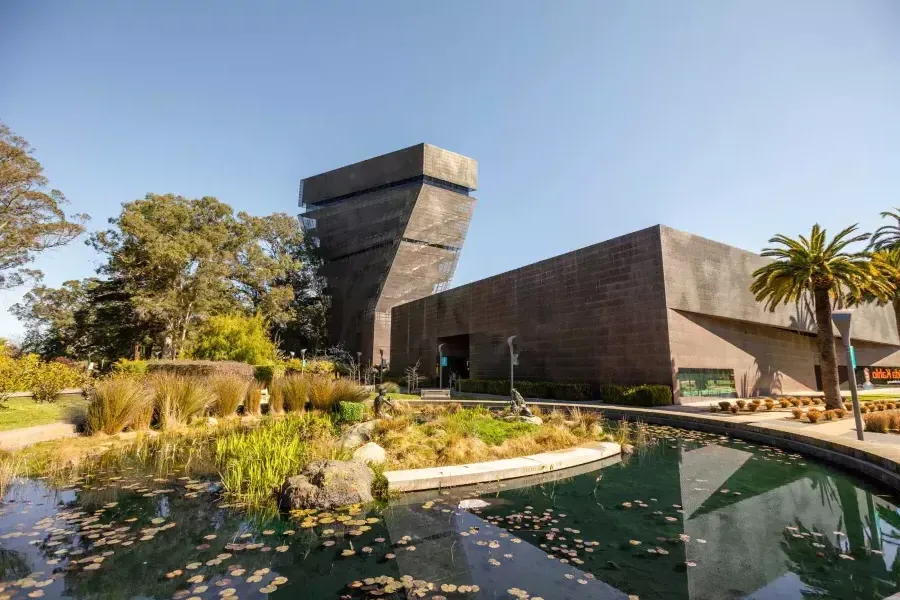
14,439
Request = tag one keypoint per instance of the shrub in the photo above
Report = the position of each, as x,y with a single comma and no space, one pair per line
641,395
233,337
713,408
199,368
816,401
295,389
351,412
770,404
178,398
891,405
878,423
829,415
391,387
276,396
253,400
725,405
742,404
752,407
53,377
266,374
734,409
116,404
126,366
839,413
316,366
813,415
848,406
795,401
784,403
797,412
229,390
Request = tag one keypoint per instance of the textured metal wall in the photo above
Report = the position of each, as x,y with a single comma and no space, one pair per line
390,231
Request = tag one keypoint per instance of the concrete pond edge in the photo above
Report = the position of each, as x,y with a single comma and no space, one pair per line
414,480
875,461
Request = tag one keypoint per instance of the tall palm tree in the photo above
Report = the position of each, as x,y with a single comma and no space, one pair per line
886,265
887,236
825,272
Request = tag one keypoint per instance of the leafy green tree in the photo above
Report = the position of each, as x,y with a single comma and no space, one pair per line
49,317
825,272
31,217
233,337
174,257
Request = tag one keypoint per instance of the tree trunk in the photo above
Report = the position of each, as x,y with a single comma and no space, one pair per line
827,355
896,303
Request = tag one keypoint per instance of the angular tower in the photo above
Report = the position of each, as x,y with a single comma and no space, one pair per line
389,230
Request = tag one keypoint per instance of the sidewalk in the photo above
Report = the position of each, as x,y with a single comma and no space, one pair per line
13,439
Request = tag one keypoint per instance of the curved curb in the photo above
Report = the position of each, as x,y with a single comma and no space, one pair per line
412,480
880,462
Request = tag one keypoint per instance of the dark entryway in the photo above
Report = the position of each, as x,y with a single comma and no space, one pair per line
456,353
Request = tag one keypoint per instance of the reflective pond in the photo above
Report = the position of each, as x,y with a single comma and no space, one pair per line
693,516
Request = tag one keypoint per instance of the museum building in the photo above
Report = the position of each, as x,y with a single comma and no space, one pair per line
655,306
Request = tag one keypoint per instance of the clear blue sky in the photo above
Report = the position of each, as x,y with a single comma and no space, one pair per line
733,120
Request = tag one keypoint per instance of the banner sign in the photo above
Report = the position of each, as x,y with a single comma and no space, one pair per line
869,377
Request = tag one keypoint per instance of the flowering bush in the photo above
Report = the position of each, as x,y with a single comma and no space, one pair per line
30,374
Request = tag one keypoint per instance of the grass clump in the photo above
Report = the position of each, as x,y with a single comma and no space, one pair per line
813,415
117,404
320,393
178,398
797,412
725,405
228,391
10,468
294,390
276,396
345,390
253,464
253,400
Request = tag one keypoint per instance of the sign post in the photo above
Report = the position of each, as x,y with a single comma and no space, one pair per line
841,320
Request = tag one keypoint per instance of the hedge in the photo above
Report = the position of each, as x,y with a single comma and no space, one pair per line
265,374
636,395
351,412
200,367
528,389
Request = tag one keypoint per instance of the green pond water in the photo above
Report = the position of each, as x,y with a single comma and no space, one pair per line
694,516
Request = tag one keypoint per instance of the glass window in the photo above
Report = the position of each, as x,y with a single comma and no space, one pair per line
717,383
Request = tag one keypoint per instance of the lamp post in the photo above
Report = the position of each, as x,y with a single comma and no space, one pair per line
441,366
513,361
841,320
303,359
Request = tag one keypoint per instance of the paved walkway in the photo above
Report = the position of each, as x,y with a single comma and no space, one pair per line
13,439
878,457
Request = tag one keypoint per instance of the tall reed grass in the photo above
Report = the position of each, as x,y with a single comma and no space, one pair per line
276,395
178,398
253,464
253,400
118,404
294,389
10,467
228,389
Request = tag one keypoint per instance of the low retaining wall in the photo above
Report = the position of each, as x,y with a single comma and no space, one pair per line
412,480
880,462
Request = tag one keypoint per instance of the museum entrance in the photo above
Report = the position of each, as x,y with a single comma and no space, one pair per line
456,357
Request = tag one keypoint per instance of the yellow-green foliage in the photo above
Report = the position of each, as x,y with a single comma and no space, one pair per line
253,464
228,391
117,404
294,389
30,374
316,366
130,367
178,398
344,390
233,337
